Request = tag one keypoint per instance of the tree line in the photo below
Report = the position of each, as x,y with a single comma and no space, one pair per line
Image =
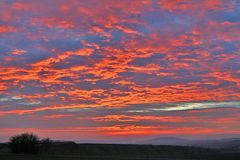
29,143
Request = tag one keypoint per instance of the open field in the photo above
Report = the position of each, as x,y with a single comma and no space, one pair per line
75,157
71,151
78,157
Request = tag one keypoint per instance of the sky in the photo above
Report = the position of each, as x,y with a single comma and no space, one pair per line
120,70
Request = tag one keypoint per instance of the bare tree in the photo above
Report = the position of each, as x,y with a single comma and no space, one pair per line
27,143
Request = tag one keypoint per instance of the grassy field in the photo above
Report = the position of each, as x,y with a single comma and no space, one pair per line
78,157
75,157
66,151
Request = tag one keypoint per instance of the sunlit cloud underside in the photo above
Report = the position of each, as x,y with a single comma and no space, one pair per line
110,70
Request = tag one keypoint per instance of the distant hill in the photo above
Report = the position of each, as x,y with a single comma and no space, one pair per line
231,143
167,141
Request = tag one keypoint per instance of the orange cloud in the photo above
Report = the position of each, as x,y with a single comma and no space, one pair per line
125,118
108,55
154,130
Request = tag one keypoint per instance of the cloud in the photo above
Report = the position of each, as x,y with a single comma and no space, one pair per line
202,105
7,29
130,63
18,51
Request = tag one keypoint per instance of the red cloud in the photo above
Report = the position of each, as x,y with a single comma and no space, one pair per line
18,52
7,29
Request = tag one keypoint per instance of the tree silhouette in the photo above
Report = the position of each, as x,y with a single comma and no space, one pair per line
27,143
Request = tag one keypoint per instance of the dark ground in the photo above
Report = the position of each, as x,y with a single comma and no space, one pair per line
72,151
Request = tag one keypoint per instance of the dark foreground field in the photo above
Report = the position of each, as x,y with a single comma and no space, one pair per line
72,151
